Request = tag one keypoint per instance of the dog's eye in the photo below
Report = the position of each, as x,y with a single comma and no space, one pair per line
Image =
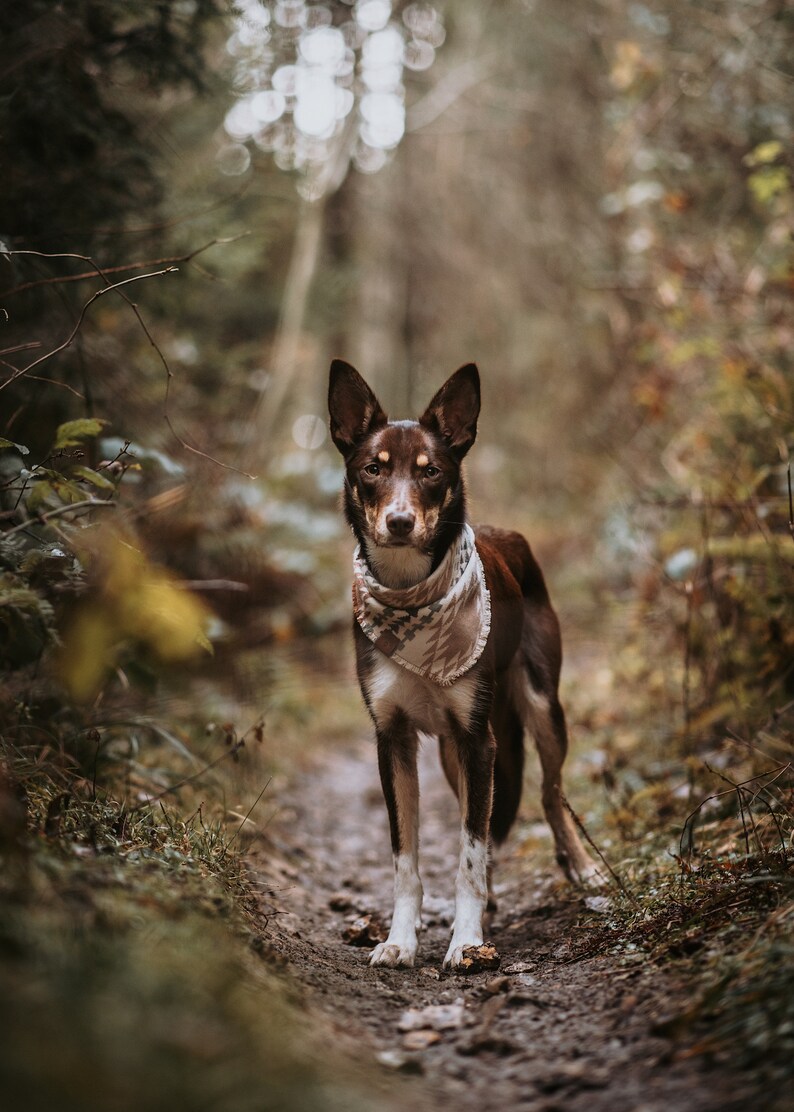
372,469
432,472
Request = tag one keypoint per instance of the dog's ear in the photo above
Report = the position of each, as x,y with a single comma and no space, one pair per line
354,409
454,410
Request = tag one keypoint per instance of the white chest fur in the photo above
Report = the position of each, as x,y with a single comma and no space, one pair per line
398,567
391,687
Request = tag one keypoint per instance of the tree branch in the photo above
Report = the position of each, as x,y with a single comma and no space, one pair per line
41,519
450,88
60,280
70,338
117,286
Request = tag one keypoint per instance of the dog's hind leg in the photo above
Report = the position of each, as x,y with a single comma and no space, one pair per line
541,659
547,724
397,750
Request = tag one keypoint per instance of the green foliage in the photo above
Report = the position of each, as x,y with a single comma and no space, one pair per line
705,244
27,622
12,444
72,433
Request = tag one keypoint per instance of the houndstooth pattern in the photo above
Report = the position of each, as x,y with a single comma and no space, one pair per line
439,627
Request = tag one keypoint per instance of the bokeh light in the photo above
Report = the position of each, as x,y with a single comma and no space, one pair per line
316,82
308,431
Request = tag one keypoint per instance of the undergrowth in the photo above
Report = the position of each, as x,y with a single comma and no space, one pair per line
707,891
134,968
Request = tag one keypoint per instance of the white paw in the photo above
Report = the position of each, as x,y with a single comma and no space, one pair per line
394,954
456,950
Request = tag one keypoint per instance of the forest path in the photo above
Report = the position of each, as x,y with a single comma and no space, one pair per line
544,1032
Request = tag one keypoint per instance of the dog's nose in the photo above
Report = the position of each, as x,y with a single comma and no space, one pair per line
400,525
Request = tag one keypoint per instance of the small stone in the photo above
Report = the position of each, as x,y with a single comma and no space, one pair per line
520,967
436,1017
341,901
365,931
396,1060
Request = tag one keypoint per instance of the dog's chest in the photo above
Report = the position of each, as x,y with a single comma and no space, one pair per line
389,687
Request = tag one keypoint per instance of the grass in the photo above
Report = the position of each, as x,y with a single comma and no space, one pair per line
134,960
703,845
135,971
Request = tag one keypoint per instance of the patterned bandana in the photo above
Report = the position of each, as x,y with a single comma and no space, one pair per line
438,628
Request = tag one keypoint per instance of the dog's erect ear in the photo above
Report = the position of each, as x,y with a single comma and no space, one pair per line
454,410
354,409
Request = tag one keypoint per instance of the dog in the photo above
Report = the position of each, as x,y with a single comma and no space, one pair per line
455,637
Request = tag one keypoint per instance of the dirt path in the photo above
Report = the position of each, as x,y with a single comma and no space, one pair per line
543,1033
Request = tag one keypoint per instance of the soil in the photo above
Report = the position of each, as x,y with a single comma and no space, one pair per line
546,1031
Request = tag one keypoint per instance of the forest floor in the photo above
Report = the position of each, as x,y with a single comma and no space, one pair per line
149,960
553,1028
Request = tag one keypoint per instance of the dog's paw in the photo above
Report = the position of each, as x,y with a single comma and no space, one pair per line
580,868
393,955
457,952
588,874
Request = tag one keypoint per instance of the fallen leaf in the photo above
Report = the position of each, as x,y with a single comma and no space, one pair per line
520,967
420,1040
601,904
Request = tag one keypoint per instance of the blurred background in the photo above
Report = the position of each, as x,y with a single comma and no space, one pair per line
591,201
204,202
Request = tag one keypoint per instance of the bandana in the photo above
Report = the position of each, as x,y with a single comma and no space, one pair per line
437,628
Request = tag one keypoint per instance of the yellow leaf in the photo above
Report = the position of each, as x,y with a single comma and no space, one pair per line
88,652
764,153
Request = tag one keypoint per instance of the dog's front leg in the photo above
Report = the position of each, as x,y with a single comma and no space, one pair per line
397,745
476,752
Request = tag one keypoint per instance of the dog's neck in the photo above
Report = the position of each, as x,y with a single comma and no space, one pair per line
397,567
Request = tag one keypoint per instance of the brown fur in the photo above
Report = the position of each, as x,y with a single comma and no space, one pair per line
405,501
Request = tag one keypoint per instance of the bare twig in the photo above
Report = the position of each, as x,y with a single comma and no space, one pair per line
211,585
237,832
586,835
20,347
70,338
687,831
169,374
790,502
238,745
40,519
97,271
52,382
686,681
117,287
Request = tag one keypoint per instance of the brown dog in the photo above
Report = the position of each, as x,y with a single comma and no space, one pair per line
455,637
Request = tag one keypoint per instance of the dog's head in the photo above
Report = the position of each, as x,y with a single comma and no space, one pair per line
403,483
